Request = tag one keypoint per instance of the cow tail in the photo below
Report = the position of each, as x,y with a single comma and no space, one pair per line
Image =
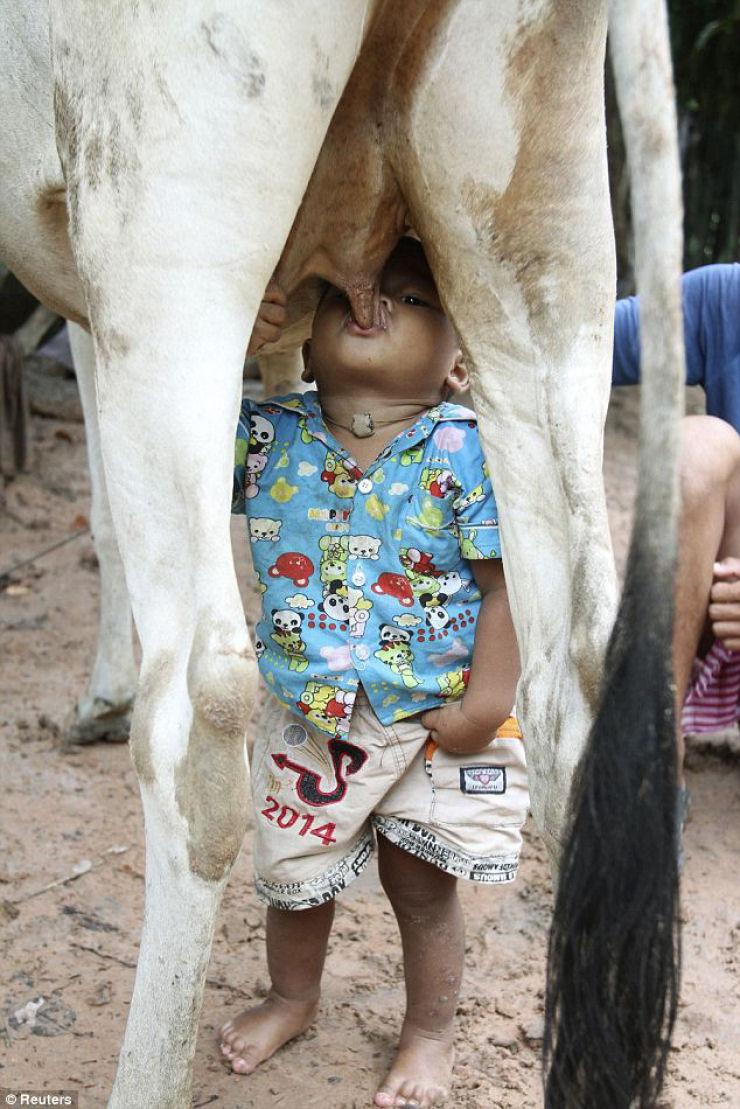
614,951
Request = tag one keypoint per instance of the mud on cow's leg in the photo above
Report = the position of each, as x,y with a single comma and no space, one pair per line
104,711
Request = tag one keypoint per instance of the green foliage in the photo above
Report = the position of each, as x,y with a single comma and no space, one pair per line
705,38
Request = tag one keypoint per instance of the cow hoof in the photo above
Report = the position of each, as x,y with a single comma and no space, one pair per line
102,722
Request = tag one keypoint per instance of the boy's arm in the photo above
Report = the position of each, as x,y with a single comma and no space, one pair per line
470,723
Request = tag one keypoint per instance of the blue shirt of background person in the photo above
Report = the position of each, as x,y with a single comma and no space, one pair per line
711,313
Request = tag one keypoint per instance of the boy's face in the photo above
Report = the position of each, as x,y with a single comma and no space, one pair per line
413,352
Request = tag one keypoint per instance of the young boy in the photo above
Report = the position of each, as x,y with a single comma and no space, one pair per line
387,644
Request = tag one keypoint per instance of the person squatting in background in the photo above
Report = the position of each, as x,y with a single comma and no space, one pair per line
707,635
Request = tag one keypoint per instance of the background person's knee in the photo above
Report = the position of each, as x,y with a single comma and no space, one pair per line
710,454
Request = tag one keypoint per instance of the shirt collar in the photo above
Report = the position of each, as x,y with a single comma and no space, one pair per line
307,405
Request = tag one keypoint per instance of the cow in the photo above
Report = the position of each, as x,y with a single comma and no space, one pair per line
159,165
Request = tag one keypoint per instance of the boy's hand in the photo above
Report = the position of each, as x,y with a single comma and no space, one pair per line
270,318
457,732
724,603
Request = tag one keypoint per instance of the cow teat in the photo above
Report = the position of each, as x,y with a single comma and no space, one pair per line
364,300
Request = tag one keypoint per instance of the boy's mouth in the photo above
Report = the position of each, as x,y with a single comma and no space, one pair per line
380,325
366,332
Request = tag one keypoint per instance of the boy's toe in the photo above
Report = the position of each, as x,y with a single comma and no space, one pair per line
242,1064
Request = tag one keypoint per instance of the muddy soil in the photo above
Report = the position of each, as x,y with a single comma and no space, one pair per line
72,822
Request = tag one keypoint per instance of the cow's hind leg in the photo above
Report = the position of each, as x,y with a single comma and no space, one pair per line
519,238
521,244
104,711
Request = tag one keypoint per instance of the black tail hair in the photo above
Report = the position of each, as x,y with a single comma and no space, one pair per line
614,951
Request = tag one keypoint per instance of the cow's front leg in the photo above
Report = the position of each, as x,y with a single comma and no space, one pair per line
104,711
168,447
188,136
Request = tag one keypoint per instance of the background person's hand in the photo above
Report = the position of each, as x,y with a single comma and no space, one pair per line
270,318
724,603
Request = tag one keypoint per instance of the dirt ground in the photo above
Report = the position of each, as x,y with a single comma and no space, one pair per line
72,822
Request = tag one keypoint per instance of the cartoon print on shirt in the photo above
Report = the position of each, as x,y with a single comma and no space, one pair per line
335,607
415,560
394,585
293,565
430,586
426,588
437,481
254,464
453,684
263,528
299,600
437,617
287,634
451,583
261,437
412,456
282,492
468,548
327,707
359,612
315,541
475,496
261,432
339,475
333,563
396,653
306,436
363,546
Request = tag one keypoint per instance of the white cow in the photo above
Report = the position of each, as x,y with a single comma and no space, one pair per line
159,162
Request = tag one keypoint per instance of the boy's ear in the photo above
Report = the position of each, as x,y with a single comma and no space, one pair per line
307,374
457,380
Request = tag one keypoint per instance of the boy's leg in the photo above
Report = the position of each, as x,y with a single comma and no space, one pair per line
296,949
709,529
430,920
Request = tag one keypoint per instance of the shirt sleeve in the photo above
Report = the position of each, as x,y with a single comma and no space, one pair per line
626,361
476,514
241,447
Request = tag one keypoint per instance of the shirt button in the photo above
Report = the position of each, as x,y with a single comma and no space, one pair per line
358,578
365,486
362,652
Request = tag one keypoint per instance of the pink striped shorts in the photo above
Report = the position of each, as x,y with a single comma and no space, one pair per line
713,700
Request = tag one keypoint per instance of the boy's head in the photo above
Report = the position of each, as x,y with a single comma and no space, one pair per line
413,353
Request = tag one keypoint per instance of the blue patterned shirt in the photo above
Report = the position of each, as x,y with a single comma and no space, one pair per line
365,576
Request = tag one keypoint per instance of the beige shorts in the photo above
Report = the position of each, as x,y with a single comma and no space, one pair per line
318,801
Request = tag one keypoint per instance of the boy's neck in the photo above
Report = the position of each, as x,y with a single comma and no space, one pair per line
341,409
384,419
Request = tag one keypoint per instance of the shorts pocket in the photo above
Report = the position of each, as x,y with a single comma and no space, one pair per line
488,788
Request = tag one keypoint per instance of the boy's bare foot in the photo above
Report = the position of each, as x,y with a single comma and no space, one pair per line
257,1033
421,1074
